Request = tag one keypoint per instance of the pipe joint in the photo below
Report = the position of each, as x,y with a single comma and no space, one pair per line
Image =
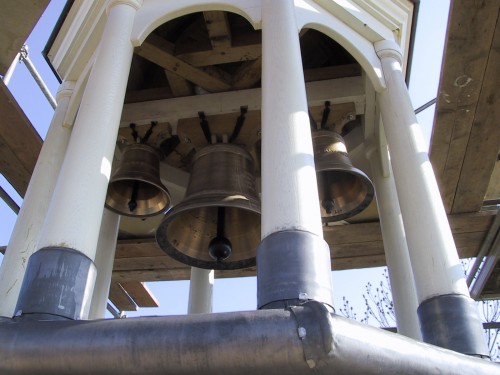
451,321
57,285
293,267
314,331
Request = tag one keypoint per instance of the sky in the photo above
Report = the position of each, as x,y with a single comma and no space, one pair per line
232,294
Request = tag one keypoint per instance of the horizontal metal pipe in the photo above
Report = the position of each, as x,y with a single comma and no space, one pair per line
293,341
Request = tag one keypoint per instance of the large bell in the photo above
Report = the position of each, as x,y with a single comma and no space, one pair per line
217,225
135,188
344,190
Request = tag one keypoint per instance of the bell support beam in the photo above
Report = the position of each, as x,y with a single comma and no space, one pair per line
105,256
439,277
299,340
29,222
293,260
70,232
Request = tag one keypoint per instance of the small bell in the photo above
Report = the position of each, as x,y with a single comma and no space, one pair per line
344,190
135,188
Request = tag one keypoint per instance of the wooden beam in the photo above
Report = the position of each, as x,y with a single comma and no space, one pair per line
352,246
469,43
247,75
20,143
179,85
218,29
228,55
160,52
484,139
120,298
336,91
140,293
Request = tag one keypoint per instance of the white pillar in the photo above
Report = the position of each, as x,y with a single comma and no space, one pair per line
25,234
448,316
435,261
105,256
289,189
73,220
293,260
404,295
70,232
200,291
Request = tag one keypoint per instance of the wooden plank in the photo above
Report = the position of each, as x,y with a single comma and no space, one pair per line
352,246
247,75
20,143
218,29
140,293
179,85
120,298
466,56
160,52
484,142
215,57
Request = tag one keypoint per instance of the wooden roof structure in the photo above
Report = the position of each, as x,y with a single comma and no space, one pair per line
219,52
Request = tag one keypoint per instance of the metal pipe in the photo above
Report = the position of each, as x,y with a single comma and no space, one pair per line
9,201
293,341
485,247
34,73
8,75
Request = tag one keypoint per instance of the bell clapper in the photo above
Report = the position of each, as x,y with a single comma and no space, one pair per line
327,201
132,203
220,247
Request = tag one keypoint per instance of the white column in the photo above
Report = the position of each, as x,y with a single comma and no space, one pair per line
74,218
200,291
436,266
448,316
289,189
105,256
25,234
293,260
404,295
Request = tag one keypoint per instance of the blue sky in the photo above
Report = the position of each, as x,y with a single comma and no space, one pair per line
231,294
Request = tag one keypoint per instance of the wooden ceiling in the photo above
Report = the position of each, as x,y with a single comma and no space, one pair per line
220,53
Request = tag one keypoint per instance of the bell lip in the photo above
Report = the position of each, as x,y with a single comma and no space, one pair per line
370,194
162,188
168,248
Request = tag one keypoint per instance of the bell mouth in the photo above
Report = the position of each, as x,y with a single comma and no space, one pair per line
343,194
189,228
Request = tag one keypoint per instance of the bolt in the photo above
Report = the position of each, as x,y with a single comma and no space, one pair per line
303,297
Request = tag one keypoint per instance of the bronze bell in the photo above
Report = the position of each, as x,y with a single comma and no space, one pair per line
217,225
135,188
344,190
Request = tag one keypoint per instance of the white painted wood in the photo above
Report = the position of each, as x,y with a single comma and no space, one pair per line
74,218
343,90
200,291
289,188
24,237
436,266
105,256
